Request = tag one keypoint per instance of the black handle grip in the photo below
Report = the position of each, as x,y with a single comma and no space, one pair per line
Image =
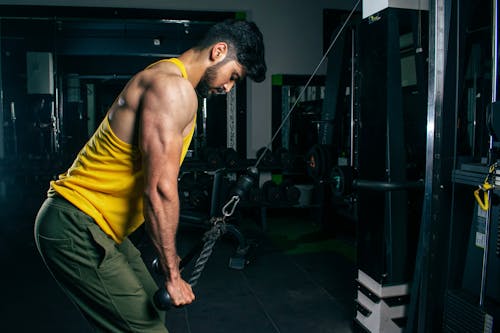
162,299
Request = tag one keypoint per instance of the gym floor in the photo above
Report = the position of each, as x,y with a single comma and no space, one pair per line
299,278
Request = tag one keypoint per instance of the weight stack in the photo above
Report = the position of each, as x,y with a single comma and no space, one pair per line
462,315
381,308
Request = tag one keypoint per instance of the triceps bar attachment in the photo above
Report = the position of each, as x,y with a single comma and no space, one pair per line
205,247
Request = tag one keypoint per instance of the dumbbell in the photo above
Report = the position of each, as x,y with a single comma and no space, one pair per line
231,158
290,191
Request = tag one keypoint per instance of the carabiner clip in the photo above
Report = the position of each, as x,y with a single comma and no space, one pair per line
234,201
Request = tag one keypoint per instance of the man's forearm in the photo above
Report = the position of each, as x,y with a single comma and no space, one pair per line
162,228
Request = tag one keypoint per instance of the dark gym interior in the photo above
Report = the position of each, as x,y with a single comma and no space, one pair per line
374,207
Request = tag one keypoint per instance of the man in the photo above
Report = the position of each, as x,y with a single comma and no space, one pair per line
127,173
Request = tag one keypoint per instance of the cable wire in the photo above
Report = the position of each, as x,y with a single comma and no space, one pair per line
268,147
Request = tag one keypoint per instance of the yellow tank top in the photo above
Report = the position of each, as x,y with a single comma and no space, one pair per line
106,179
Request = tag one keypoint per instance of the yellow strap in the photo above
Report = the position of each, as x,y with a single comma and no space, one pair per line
485,203
180,65
486,187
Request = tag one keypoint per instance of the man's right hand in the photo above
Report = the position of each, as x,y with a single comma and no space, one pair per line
181,292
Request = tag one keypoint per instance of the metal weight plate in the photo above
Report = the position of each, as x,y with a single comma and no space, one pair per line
341,180
313,163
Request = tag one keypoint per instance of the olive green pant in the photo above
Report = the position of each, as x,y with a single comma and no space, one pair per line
108,282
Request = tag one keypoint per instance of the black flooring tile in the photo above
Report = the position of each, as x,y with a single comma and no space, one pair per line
277,291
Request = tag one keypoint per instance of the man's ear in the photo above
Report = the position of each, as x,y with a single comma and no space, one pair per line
219,51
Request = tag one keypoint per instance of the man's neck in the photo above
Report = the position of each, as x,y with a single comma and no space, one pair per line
196,62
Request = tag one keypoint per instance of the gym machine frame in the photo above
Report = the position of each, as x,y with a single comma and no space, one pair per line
434,306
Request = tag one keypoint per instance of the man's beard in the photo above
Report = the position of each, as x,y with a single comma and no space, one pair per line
204,86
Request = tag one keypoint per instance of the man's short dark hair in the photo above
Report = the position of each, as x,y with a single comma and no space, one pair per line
246,39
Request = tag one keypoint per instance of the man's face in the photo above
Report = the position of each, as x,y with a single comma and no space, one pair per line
219,78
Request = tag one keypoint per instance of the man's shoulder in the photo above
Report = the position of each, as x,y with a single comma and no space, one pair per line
164,67
170,88
164,78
